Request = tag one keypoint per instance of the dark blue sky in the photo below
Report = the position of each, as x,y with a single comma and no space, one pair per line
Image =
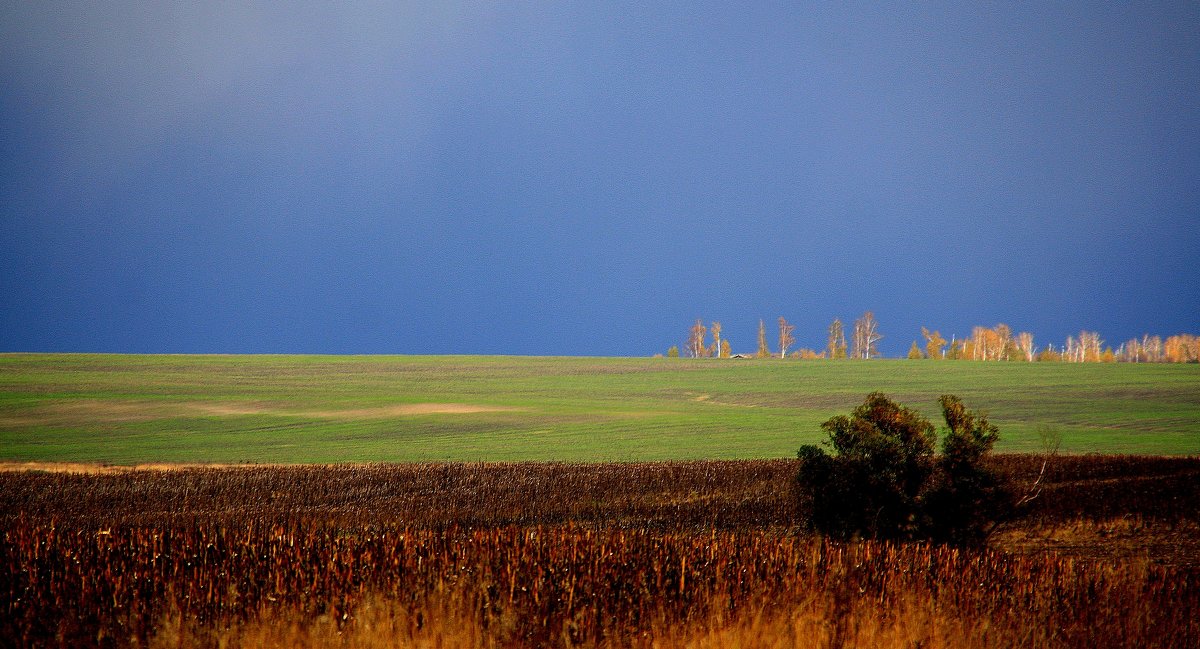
589,178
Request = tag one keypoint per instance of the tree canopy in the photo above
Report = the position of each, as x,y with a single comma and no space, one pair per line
884,481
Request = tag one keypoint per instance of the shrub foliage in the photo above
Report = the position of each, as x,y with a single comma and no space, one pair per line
884,481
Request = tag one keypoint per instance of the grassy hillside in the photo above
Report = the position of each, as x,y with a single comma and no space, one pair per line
131,409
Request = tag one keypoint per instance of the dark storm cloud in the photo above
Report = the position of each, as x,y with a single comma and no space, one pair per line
530,179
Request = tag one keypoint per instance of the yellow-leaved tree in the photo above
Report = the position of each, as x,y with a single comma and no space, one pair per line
763,350
933,343
836,346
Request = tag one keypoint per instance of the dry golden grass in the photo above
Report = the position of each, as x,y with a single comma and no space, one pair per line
818,617
383,623
635,555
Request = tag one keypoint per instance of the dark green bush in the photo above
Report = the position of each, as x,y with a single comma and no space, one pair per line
883,480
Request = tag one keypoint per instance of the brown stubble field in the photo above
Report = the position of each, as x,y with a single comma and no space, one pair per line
701,554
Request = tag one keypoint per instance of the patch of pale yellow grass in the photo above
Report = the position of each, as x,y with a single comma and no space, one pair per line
91,411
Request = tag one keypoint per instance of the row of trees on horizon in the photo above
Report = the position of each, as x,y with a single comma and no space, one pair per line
998,343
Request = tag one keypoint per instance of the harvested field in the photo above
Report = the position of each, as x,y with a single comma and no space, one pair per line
638,554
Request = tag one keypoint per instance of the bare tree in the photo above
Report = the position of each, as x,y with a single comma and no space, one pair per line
1025,344
785,336
866,335
716,332
1003,341
1152,346
695,345
1131,351
1051,441
1090,344
978,342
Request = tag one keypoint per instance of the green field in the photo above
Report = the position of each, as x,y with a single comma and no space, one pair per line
128,409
